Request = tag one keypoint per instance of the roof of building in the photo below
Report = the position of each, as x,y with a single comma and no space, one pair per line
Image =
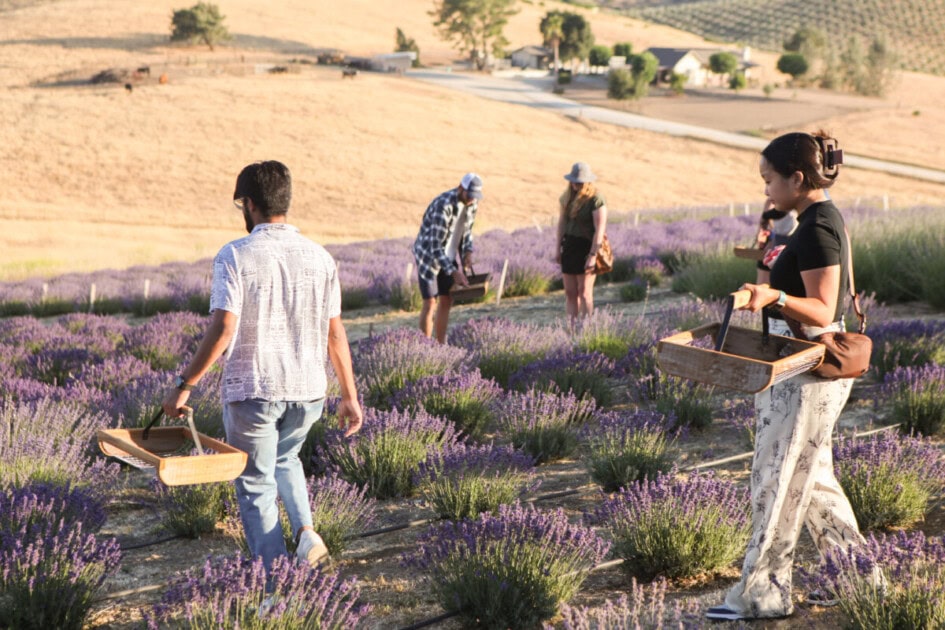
537,51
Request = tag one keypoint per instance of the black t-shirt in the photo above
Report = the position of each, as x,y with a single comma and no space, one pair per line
818,241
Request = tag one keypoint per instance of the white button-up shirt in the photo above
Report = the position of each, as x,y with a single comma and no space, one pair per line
283,288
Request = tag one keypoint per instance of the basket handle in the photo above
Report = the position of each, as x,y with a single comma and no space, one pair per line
189,412
736,300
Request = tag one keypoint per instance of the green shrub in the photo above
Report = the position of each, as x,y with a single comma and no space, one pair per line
195,509
713,273
624,449
202,22
634,291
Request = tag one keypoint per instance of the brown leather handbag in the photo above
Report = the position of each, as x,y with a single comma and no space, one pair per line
846,354
605,258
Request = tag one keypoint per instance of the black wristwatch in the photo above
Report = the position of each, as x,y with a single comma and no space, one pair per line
182,385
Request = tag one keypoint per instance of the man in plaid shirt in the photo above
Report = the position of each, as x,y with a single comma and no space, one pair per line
445,234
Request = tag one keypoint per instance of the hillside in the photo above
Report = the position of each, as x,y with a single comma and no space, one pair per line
911,27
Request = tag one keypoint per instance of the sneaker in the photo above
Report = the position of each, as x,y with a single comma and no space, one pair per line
723,613
312,549
822,599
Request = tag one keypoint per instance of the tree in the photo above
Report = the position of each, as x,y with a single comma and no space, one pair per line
677,82
552,29
722,63
794,64
808,41
200,23
576,36
599,56
474,26
737,81
880,69
632,83
407,44
623,49
619,84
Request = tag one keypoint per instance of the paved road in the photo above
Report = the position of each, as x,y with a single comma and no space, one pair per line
533,94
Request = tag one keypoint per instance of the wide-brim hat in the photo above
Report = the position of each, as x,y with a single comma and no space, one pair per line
581,173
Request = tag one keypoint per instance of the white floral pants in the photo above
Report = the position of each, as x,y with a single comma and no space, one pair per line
792,484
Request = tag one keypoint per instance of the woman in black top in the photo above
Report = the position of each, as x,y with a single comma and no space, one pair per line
792,480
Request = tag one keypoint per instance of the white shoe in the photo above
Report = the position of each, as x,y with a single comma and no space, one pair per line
312,549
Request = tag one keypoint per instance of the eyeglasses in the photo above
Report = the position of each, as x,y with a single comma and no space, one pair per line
240,203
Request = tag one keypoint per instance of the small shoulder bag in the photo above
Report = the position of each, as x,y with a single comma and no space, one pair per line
605,258
846,354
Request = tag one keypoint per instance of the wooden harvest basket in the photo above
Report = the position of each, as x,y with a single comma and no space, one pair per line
167,450
478,286
751,253
745,363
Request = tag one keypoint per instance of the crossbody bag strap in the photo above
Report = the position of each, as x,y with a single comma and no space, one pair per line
856,300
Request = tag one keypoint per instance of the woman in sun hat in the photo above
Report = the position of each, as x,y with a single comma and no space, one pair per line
582,223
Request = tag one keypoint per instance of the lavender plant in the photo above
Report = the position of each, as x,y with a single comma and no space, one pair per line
677,527
27,507
635,291
612,333
910,343
888,478
464,399
917,398
689,401
713,273
230,593
543,424
643,608
740,412
584,375
649,270
383,456
889,583
461,481
386,363
50,569
339,511
192,510
511,569
624,448
499,347
51,442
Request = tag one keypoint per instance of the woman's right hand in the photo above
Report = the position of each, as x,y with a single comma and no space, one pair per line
558,257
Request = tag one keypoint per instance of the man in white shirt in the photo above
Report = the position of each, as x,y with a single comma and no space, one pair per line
276,305
445,234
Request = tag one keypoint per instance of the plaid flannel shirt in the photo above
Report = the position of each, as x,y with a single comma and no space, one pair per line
438,222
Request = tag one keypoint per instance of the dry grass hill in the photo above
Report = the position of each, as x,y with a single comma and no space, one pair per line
94,176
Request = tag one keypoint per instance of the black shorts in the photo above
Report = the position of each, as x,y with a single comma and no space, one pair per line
574,252
441,285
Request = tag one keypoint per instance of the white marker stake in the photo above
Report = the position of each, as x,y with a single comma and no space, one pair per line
92,297
147,288
498,295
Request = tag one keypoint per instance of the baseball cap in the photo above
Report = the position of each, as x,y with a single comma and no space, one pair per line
472,184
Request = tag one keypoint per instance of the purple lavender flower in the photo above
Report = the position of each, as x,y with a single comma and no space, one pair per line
386,363
581,374
499,347
228,593
465,399
677,527
24,508
889,478
906,343
508,569
613,333
917,396
543,424
382,457
340,510
643,608
461,481
624,448
740,412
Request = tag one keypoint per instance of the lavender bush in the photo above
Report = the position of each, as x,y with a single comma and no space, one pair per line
51,442
228,593
544,425
689,401
649,270
635,291
612,333
27,507
500,347
464,399
385,363
891,582
339,511
461,481
917,398
195,509
741,414
384,455
50,568
888,478
910,343
713,273
643,608
584,375
624,448
508,570
677,527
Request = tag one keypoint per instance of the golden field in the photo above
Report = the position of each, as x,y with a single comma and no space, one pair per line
97,177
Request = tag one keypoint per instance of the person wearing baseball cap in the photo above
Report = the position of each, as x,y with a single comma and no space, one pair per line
445,236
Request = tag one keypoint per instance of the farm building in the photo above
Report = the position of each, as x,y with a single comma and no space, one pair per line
532,57
693,63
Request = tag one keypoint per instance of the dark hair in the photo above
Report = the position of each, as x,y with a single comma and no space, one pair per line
268,184
818,157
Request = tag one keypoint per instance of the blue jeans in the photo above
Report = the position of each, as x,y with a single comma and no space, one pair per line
271,433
